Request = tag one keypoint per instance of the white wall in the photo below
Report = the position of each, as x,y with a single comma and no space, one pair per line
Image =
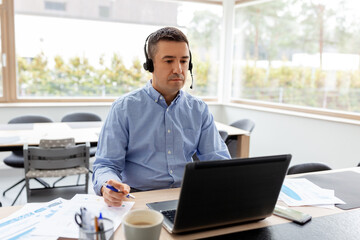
307,139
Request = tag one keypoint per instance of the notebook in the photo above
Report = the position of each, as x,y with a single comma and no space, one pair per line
225,192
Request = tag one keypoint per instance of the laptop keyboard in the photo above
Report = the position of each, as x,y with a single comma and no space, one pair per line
169,214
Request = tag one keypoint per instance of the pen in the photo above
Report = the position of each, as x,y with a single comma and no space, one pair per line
101,228
116,190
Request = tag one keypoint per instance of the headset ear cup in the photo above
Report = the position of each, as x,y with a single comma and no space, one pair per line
190,66
145,66
150,65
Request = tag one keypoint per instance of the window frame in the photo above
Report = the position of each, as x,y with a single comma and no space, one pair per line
225,79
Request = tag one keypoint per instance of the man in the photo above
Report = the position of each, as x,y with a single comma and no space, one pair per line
151,133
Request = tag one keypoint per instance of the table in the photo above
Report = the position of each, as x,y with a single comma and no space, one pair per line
14,136
169,194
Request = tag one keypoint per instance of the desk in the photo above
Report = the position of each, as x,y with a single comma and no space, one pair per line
169,194
14,136
243,138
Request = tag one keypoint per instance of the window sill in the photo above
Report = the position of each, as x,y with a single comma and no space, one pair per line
312,114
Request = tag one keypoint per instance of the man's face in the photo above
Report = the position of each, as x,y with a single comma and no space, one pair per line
171,63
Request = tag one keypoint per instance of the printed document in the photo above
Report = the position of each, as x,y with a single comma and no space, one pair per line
301,192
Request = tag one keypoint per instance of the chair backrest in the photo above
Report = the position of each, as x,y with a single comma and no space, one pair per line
57,143
81,117
30,119
223,134
56,158
244,124
308,167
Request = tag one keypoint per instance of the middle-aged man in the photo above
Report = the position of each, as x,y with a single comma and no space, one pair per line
151,133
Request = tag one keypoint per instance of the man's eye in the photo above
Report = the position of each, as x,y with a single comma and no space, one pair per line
168,61
183,61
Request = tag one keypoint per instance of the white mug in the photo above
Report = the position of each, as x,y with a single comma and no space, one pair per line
142,224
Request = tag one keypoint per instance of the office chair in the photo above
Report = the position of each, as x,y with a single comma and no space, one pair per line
231,141
308,167
83,117
223,134
57,160
16,159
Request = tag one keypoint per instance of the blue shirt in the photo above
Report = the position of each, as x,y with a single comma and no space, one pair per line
146,144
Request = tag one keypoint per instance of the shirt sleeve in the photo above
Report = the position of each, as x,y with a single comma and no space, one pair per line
211,146
111,149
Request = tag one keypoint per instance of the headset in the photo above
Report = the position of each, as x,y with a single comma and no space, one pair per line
149,65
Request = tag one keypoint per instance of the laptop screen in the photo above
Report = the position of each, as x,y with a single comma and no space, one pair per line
216,193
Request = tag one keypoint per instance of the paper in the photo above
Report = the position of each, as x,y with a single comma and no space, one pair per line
68,227
20,224
301,192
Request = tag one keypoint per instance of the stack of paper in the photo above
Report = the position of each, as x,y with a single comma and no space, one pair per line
302,192
56,218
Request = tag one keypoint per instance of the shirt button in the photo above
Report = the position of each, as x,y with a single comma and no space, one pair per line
169,152
171,171
161,97
167,109
168,130
156,100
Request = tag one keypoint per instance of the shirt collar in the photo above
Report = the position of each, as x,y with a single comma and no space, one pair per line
155,95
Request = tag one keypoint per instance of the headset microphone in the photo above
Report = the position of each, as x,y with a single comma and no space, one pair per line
192,80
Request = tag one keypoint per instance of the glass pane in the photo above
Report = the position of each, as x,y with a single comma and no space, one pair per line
95,48
1,61
299,52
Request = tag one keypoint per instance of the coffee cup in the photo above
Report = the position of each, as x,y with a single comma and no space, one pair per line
142,224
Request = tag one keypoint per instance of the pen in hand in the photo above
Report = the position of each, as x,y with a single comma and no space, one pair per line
117,190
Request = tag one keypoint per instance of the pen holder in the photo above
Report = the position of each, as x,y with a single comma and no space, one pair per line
105,234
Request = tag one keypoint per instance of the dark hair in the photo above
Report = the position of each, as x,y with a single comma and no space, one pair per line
166,34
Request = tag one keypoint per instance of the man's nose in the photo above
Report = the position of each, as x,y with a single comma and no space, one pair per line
177,68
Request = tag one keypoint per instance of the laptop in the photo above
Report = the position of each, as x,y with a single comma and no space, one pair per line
224,192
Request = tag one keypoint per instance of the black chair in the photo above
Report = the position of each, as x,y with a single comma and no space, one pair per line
358,164
16,159
308,167
83,117
223,134
231,141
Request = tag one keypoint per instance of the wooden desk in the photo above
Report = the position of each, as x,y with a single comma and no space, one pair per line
243,137
169,194
14,136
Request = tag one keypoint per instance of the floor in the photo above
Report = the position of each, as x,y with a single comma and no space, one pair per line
9,176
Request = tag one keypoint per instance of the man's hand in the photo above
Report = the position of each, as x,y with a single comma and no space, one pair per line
115,199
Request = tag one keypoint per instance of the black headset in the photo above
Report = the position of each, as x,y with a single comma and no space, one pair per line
149,65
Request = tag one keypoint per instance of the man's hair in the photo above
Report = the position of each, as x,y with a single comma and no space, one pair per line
165,34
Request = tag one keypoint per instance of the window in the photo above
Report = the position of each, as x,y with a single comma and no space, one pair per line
85,52
298,52
3,57
104,11
58,6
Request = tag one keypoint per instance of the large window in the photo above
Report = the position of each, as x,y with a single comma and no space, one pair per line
2,55
95,48
298,52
